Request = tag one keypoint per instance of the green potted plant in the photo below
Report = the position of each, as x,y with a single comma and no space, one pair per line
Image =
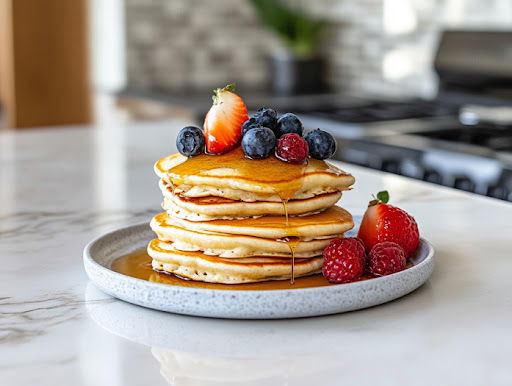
298,69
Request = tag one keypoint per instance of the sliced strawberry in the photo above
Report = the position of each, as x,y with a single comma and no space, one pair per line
384,222
223,123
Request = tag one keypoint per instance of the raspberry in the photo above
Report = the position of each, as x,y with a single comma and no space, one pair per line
344,260
292,148
386,258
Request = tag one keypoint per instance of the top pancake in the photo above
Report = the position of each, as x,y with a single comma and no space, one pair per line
233,176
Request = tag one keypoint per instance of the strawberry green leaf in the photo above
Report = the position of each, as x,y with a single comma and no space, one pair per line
383,196
230,87
216,93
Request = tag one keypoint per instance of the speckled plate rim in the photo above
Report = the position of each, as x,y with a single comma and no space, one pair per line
250,304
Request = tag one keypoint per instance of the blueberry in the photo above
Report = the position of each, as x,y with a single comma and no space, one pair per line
190,141
266,117
288,123
249,124
259,143
322,145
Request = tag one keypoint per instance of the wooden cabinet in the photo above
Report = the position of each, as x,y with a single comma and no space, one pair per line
44,62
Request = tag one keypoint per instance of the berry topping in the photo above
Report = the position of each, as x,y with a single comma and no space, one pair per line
292,148
266,117
190,141
248,125
344,260
322,145
259,143
288,123
384,222
386,258
223,123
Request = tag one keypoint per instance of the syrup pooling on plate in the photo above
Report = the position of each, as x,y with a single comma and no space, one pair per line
138,265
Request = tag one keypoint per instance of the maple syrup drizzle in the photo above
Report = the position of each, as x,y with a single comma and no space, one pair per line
285,196
292,243
285,210
292,249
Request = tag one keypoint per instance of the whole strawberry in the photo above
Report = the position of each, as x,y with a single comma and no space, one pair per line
384,222
344,260
386,258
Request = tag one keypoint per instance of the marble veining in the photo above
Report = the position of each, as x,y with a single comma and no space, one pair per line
59,188
23,320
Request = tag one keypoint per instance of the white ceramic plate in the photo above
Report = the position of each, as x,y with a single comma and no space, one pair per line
269,304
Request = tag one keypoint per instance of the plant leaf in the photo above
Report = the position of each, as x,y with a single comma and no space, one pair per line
299,31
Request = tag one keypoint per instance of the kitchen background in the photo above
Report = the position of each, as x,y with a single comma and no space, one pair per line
370,46
376,46
367,63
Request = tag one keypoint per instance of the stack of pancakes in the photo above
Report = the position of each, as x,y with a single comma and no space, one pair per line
233,220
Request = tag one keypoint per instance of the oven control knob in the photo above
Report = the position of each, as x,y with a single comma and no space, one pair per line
464,183
497,191
390,165
430,175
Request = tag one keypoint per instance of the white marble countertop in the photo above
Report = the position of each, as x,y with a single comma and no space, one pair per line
59,188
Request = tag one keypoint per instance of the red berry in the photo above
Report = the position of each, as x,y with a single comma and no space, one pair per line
223,123
292,148
344,260
384,222
386,258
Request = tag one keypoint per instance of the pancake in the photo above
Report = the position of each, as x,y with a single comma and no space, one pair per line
201,267
213,208
333,221
233,176
232,245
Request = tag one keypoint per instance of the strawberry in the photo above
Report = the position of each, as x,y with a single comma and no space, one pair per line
384,222
223,123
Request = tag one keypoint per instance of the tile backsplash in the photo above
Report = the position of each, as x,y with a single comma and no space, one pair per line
378,46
